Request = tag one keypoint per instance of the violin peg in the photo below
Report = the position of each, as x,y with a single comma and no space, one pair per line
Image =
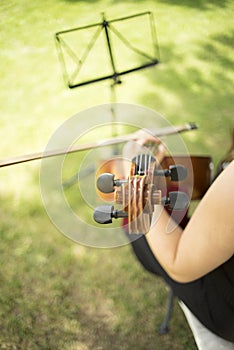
176,200
175,172
105,183
178,172
104,214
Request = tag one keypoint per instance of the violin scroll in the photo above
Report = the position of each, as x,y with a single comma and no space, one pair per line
138,194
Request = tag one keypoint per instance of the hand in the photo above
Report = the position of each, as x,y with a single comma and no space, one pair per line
143,137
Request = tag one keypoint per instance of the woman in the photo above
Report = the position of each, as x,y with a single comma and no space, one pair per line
198,261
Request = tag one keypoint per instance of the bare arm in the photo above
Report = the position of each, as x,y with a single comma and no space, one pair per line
208,239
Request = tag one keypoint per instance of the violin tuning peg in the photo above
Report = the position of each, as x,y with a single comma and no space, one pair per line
104,214
176,200
175,172
105,183
178,172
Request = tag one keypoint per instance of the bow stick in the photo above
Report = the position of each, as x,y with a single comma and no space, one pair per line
107,142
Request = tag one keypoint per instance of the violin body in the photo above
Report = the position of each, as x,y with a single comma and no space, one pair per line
199,176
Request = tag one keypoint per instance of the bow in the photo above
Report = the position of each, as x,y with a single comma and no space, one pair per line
102,143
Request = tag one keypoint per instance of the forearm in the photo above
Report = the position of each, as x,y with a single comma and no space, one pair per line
163,238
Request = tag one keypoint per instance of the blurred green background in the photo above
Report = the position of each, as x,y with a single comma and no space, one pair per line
55,294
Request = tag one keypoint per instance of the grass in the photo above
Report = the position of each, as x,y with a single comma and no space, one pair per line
54,293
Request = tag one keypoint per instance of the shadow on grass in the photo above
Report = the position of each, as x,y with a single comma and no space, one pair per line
197,85
90,2
53,318
57,295
203,5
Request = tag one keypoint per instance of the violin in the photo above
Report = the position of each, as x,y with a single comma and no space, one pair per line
149,183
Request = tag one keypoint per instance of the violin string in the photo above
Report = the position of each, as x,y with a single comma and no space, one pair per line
149,162
140,164
137,165
143,160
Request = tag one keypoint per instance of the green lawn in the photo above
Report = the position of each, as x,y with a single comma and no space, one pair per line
54,293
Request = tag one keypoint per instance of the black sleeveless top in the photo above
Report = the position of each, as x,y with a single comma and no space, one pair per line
210,298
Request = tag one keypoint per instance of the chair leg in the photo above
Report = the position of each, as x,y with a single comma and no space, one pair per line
164,327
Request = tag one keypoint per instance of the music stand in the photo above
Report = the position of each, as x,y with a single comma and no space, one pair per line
116,50
147,51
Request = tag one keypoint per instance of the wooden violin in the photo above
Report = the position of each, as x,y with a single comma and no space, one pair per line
147,185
